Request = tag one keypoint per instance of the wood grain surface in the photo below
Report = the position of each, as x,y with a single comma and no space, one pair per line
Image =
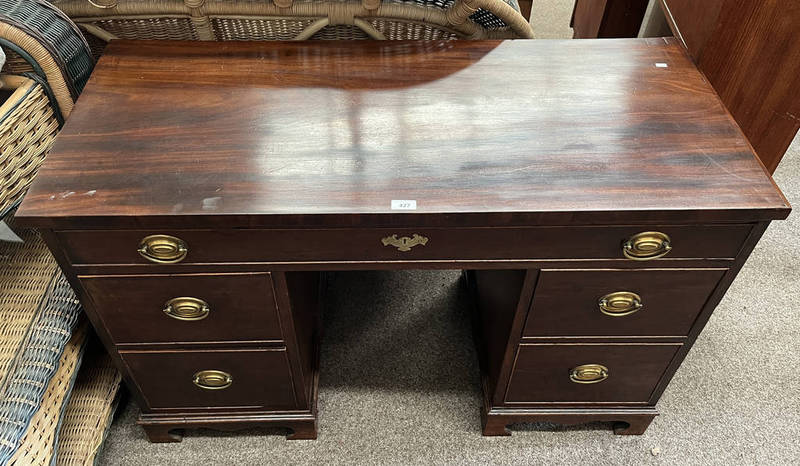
750,52
261,379
242,307
565,302
541,372
324,133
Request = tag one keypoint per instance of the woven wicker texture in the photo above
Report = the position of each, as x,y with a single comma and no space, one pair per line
38,445
254,29
394,30
150,28
16,64
96,45
90,409
442,4
340,32
487,19
482,16
56,33
298,19
25,271
28,128
38,311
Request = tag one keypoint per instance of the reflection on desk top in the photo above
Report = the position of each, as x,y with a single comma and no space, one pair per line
329,133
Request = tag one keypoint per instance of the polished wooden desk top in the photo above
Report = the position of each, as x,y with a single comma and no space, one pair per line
329,133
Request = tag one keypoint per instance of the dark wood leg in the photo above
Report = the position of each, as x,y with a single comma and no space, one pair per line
161,434
305,430
626,422
495,426
633,426
525,7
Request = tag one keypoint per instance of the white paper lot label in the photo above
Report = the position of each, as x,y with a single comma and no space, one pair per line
404,204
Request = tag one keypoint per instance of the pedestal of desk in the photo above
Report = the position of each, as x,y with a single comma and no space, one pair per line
213,348
579,342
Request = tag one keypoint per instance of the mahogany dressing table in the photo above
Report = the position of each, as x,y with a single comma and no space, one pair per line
597,193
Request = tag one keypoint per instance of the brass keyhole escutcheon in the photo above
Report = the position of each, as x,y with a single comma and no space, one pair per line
187,308
212,380
588,373
405,243
620,303
646,246
163,249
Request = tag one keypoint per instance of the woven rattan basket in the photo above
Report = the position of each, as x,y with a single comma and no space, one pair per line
28,127
106,20
41,345
38,444
50,411
90,410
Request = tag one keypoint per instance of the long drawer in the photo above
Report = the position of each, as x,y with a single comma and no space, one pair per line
185,308
257,379
619,302
226,246
590,373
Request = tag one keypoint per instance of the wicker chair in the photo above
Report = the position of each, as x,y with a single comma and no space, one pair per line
47,66
48,412
28,126
106,20
40,39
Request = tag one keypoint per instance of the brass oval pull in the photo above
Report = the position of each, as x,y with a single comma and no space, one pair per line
620,303
212,380
588,373
163,249
646,246
186,308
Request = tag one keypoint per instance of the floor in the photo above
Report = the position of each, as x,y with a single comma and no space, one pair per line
399,380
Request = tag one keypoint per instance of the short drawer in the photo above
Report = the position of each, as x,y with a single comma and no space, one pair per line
185,308
219,246
544,372
647,302
258,379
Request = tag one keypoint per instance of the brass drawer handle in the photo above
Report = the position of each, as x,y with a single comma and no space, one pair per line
163,249
620,303
404,243
646,246
212,380
186,308
588,373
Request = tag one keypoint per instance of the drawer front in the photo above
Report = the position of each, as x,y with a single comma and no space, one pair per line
542,372
207,246
637,302
185,308
260,379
